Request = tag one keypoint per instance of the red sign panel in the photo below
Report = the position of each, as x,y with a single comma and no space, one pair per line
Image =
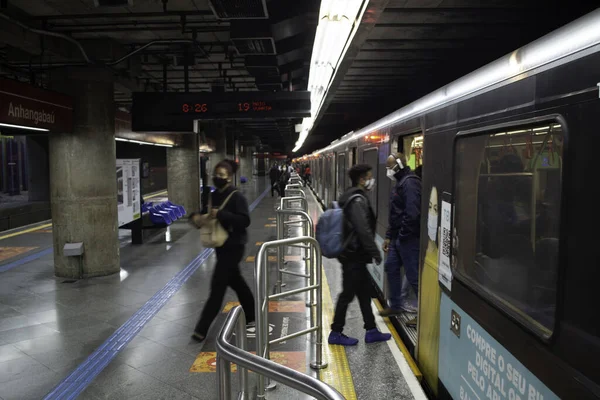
25,105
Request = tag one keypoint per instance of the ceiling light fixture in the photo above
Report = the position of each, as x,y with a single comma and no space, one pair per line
30,128
143,143
338,22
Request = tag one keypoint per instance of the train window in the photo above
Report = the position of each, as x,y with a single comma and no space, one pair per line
508,193
370,157
341,174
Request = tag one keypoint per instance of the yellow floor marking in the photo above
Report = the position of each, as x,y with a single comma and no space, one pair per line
337,373
259,243
411,362
272,219
156,194
272,258
274,306
36,228
270,225
296,360
10,252
250,259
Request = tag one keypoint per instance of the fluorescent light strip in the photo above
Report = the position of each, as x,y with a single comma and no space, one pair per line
578,36
24,127
338,23
143,143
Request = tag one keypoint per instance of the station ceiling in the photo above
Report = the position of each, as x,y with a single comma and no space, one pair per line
405,49
232,45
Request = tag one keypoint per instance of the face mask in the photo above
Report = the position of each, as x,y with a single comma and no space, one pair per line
220,183
370,184
432,226
390,174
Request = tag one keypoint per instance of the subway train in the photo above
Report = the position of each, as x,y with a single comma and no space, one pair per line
508,272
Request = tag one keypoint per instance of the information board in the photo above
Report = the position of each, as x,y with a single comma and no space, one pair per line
169,112
128,190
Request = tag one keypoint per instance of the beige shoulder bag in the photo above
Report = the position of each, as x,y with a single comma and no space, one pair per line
212,233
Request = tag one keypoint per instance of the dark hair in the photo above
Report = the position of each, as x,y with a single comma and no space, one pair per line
357,172
229,165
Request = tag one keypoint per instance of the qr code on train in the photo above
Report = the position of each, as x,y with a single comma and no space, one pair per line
446,242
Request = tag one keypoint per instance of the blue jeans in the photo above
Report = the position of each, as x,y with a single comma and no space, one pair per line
400,252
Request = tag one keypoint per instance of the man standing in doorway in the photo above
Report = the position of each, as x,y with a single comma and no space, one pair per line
402,236
360,250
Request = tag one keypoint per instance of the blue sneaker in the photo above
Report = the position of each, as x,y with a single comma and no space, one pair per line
373,336
341,339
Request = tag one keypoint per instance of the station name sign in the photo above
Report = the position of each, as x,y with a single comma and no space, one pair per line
177,111
24,105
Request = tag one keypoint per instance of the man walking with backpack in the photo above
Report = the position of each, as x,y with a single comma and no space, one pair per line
359,249
402,236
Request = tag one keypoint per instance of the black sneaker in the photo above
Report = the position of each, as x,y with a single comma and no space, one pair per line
198,337
390,312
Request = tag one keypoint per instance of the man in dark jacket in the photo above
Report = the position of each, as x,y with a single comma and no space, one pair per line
274,176
402,236
284,177
360,250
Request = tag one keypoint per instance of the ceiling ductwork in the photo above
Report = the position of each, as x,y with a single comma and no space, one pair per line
239,9
252,38
113,3
266,72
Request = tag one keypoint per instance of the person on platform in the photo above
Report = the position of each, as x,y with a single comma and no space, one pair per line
235,218
402,236
360,250
274,177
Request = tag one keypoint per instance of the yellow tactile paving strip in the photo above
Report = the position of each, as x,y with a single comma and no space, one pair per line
296,360
34,229
274,306
10,252
411,362
337,373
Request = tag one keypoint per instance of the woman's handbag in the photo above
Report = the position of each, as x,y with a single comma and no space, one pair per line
212,233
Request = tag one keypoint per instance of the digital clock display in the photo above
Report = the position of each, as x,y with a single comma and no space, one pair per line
177,111
248,106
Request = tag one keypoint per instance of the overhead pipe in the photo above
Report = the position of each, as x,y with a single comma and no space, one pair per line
48,33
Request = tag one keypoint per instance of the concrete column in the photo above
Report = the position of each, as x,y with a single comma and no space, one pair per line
37,166
218,132
83,188
246,161
183,175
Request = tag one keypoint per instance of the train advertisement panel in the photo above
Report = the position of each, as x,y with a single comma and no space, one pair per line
475,366
128,190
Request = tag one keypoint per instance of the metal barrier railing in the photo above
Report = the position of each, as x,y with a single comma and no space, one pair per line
228,353
306,223
263,298
285,200
293,192
293,186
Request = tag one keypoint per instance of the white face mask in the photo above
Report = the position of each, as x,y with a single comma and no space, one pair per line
432,226
370,184
390,174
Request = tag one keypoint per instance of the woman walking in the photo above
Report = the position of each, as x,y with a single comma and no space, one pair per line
234,216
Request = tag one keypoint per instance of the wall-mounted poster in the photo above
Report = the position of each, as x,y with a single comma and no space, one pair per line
128,190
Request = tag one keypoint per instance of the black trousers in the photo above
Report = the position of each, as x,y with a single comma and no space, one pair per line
355,283
274,187
282,188
226,273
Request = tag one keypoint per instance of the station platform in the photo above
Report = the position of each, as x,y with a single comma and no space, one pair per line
127,336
